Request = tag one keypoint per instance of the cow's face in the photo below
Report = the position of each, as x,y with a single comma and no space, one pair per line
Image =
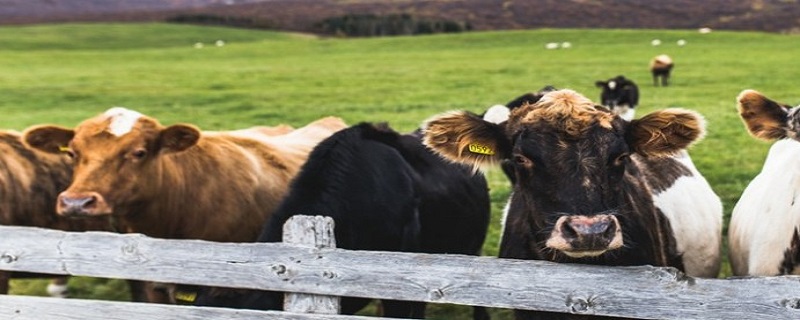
115,159
570,160
766,119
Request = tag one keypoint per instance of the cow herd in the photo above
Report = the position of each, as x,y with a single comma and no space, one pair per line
589,184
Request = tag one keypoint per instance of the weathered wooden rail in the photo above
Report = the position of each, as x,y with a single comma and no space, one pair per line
636,292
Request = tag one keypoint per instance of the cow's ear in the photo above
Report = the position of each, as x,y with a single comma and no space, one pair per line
178,137
600,84
48,138
765,119
464,137
665,132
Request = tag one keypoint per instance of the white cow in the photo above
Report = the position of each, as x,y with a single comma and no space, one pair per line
763,232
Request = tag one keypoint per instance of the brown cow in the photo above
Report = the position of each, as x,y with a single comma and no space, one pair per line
661,67
176,181
30,181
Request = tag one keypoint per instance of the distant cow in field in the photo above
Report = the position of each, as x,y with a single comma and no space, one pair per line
592,188
385,191
30,181
661,68
764,232
621,95
176,181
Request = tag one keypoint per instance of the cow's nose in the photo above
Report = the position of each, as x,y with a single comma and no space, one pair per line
588,227
581,236
78,204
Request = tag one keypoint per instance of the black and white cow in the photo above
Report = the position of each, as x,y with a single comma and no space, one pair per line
593,188
764,232
621,95
385,191
498,113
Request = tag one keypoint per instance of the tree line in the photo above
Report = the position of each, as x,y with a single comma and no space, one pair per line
350,25
371,25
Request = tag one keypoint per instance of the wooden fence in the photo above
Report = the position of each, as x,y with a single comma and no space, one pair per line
636,292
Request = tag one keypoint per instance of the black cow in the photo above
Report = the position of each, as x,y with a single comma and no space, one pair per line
661,67
621,95
387,192
498,113
530,97
592,188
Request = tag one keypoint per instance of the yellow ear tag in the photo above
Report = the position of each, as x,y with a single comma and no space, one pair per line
64,149
185,296
480,149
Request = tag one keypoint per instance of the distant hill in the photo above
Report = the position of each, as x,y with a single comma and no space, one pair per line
316,16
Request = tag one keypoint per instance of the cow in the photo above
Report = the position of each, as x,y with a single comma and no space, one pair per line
385,191
619,94
764,231
176,181
30,181
591,187
661,67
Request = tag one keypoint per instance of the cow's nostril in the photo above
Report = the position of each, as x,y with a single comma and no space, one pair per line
79,202
568,231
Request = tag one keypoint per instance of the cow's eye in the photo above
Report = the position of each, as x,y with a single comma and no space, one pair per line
68,151
521,160
139,154
621,159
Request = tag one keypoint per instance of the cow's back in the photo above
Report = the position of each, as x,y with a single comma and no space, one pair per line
361,182
225,187
767,215
692,208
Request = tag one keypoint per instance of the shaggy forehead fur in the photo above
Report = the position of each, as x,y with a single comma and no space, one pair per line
565,110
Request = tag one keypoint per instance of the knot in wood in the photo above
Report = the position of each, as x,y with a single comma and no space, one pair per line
328,274
8,258
669,274
580,304
129,249
279,269
793,303
131,253
436,294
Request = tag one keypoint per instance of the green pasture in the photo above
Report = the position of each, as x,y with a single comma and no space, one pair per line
65,73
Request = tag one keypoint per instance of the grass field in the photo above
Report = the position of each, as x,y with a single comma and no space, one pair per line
64,73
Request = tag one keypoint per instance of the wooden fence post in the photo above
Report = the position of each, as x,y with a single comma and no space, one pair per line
316,231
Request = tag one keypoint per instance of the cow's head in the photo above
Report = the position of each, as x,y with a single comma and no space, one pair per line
570,158
115,157
766,119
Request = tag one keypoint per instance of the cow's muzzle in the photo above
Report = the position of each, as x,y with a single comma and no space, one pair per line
580,236
79,204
